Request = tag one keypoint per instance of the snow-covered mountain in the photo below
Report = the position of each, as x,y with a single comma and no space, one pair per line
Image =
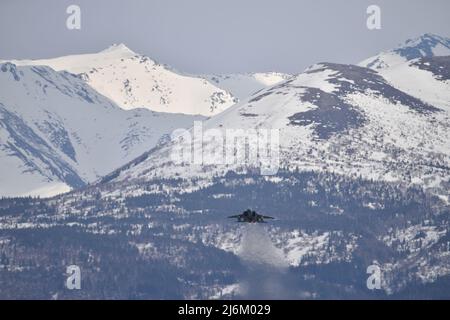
427,79
358,158
133,80
57,133
242,86
335,118
419,67
363,180
427,45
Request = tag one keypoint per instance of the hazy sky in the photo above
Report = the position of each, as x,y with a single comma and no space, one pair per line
206,36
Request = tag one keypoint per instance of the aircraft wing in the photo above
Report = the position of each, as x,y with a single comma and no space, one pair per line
235,216
268,217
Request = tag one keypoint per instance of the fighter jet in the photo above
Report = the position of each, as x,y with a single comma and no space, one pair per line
250,216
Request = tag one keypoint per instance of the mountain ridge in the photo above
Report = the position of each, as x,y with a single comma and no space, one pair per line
74,129
362,181
426,45
133,80
325,103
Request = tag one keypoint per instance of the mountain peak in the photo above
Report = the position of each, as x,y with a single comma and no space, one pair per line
426,37
118,48
426,45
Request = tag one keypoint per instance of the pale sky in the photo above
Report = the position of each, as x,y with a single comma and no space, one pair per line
212,36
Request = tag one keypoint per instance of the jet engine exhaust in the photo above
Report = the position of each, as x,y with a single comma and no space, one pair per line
265,269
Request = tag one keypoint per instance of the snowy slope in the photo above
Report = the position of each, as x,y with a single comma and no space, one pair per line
133,81
56,132
332,118
418,67
427,45
431,79
243,85
335,118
